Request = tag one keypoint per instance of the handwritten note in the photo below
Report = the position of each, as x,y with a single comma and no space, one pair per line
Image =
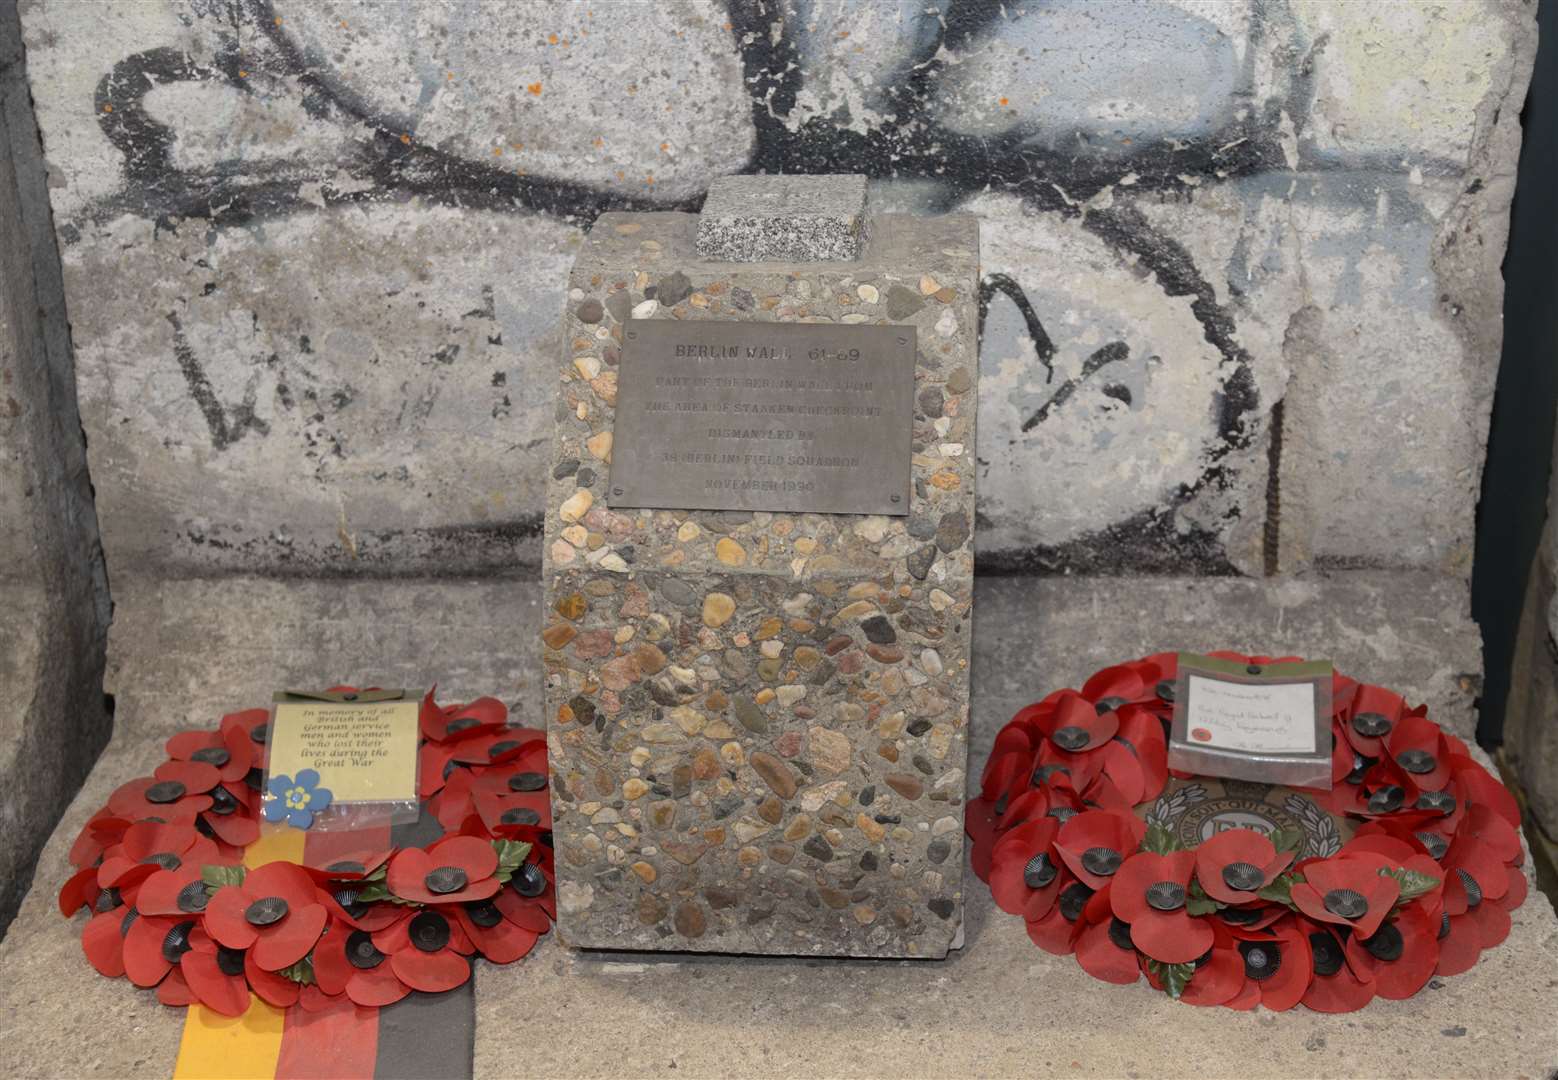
1274,718
362,752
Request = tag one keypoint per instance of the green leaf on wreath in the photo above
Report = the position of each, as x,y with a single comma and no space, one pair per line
300,972
1160,841
1412,883
1198,903
511,856
1280,890
1174,977
217,876
374,890
378,874
1288,840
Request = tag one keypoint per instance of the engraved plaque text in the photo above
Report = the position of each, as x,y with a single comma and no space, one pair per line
799,417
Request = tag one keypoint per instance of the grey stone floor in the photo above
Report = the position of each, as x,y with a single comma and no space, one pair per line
183,651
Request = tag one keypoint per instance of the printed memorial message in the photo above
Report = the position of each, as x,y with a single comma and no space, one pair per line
1267,723
363,752
764,416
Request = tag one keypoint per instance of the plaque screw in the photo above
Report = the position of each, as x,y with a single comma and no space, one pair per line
616,491
903,341
634,334
895,498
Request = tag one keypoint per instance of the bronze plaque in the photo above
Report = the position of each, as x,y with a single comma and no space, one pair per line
800,417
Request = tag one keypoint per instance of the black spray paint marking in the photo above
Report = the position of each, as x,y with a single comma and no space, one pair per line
225,430
910,146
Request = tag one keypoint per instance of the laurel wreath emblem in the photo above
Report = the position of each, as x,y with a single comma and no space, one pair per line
1169,808
1323,838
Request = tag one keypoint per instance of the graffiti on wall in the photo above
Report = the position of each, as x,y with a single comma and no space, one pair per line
1118,388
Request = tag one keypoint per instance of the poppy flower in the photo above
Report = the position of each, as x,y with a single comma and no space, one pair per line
521,816
275,915
1135,760
1386,788
154,944
346,961
79,891
148,846
529,900
1095,843
1400,955
1334,986
1481,925
450,871
1374,712
1057,931
215,974
497,937
1235,865
179,893
295,800
1076,724
102,939
454,722
270,986
1480,786
496,747
1419,748
1025,872
1010,761
102,830
1347,892
230,751
1278,963
164,800
1149,892
1103,947
1219,972
428,950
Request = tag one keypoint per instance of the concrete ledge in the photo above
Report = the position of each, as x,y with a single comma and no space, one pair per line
183,651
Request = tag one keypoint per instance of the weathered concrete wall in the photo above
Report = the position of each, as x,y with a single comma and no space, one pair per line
316,252
54,620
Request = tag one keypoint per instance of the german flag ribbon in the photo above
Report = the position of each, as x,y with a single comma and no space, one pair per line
421,1036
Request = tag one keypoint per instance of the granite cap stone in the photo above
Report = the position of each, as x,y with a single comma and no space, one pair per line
783,218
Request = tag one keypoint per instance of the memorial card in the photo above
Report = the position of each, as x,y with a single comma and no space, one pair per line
1262,722
343,756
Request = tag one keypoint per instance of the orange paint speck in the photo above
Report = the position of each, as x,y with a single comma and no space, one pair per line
730,26
551,39
665,147
534,88
497,151
406,139
843,33
278,20
242,74
343,24
1003,101
108,108
650,180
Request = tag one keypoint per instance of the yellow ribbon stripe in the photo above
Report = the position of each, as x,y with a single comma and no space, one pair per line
247,1047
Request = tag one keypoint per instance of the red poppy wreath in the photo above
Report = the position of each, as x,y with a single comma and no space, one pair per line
1228,893
171,905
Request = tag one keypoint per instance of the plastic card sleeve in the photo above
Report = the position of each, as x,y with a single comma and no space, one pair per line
1269,723
343,759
